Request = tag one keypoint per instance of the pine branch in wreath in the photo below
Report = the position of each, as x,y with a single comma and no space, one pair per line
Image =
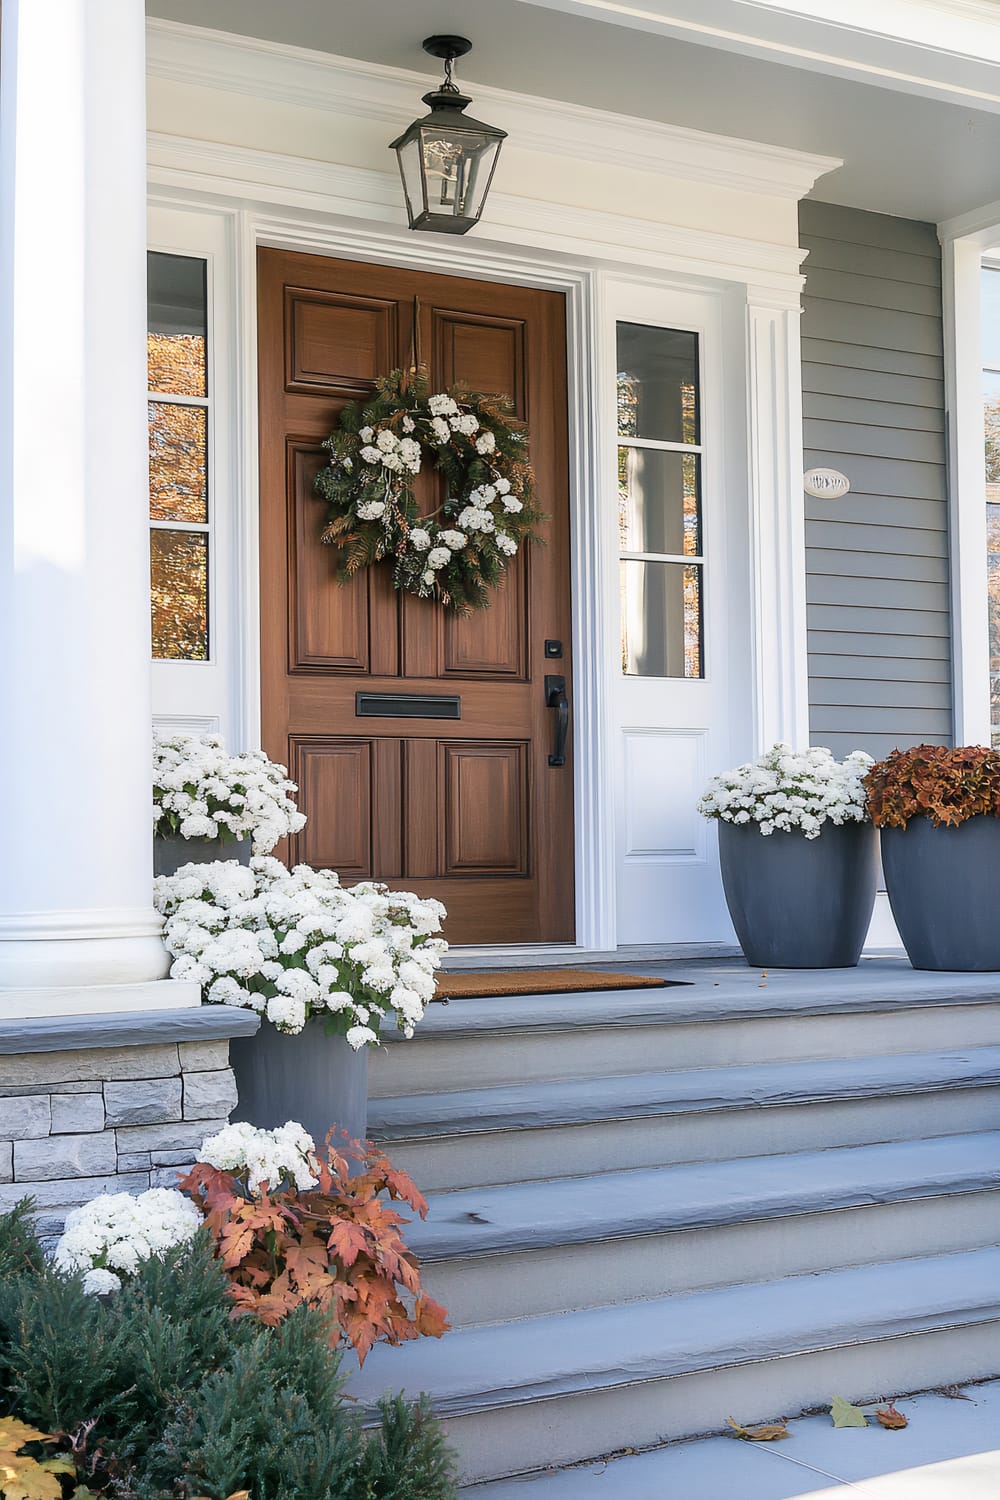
456,556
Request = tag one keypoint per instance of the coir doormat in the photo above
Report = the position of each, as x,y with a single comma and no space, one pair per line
539,982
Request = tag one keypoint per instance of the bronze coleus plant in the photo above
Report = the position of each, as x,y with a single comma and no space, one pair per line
948,786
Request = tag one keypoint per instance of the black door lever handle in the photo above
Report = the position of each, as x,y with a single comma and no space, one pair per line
555,697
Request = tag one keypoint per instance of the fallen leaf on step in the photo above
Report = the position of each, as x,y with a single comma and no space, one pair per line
769,1433
888,1416
846,1415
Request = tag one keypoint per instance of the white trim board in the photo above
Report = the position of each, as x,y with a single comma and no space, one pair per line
221,60
296,186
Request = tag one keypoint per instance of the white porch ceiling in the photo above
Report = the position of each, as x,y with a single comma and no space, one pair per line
904,152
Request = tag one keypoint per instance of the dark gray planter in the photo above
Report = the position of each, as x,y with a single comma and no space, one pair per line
314,1078
799,903
171,851
942,885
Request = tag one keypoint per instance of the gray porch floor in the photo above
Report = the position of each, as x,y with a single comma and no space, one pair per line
950,1451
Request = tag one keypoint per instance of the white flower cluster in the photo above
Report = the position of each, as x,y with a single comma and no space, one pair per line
787,789
397,455
112,1234
201,792
270,1156
293,945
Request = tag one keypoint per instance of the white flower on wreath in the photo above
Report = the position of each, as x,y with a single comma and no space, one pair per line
502,486
371,455
366,434
438,557
441,405
427,577
455,540
408,424
512,504
506,543
386,440
420,539
466,423
370,510
440,430
486,443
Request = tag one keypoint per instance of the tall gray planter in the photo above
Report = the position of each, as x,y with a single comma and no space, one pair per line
314,1078
943,885
171,851
799,903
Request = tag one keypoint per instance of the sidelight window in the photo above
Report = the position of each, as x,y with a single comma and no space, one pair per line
179,435
659,502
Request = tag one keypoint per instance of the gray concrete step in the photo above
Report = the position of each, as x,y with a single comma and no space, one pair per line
551,1390
530,1248
579,1126
716,1016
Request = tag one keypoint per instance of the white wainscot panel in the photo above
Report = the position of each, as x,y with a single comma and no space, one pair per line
664,776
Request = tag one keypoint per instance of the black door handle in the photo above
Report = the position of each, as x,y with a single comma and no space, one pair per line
555,697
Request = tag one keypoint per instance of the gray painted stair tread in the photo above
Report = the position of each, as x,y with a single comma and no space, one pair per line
497,1365
713,992
578,1101
577,1210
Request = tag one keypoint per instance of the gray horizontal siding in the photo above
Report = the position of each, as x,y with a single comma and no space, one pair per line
873,406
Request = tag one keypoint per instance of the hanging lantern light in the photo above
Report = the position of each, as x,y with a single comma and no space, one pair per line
447,159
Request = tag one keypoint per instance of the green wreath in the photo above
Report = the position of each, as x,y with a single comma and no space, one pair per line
458,553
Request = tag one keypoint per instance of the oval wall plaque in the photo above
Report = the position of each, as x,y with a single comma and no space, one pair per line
825,484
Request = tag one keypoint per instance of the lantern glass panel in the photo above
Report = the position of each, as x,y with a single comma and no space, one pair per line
457,167
410,167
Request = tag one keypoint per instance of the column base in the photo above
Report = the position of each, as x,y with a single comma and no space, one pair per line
81,948
74,1000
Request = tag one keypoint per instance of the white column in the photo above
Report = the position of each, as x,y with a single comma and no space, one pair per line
75,798
777,519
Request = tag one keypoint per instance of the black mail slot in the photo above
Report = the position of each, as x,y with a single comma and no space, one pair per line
407,706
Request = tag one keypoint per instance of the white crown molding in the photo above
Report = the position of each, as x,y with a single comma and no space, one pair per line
983,222
239,174
317,80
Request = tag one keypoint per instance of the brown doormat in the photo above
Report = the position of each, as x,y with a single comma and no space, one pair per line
539,982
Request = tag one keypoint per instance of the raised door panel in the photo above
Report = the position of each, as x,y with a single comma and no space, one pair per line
335,779
484,797
488,355
337,344
328,623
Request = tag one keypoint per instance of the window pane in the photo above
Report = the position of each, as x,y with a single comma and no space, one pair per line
657,384
179,584
177,312
658,501
178,488
991,433
661,619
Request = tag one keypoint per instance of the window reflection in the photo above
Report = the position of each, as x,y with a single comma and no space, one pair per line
179,586
178,489
661,619
176,307
657,384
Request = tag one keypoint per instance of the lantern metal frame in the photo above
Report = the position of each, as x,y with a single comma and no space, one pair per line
447,105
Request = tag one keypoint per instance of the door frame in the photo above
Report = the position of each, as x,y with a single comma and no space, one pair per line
762,342
594,802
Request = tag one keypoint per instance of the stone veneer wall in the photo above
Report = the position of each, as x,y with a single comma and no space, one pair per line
110,1103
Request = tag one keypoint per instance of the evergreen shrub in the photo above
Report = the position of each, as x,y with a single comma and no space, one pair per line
158,1393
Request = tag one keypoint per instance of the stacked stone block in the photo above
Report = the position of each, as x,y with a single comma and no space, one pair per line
77,1120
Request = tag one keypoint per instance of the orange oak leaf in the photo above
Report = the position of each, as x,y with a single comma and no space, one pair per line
770,1432
889,1417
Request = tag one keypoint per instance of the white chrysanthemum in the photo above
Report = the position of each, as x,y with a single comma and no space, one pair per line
366,434
120,1231
506,543
270,1156
786,790
502,486
100,1282
428,577
441,406
438,557
420,539
371,510
371,455
199,790
486,442
454,540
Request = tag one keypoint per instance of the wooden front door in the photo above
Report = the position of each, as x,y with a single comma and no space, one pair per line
466,808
